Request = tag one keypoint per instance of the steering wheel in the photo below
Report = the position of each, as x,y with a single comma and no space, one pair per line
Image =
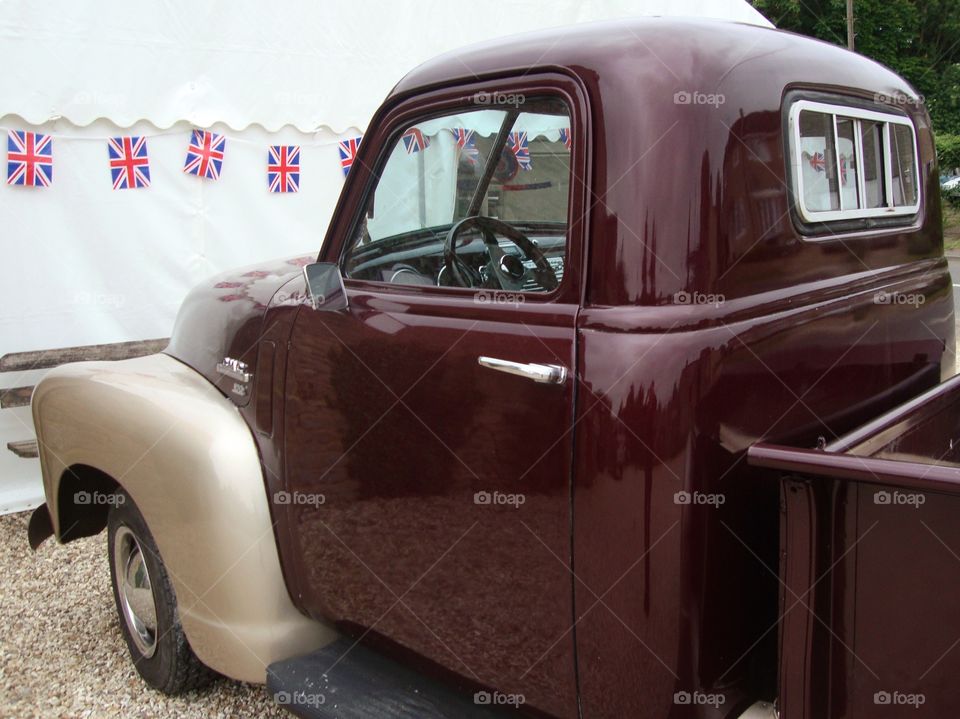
506,271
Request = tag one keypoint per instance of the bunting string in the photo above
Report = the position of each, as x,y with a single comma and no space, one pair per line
30,158
30,155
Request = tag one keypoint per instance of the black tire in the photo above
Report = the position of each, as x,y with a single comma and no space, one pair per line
168,664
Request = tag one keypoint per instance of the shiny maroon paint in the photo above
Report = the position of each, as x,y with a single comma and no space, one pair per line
664,396
228,316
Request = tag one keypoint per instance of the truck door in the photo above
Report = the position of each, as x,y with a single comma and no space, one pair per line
429,426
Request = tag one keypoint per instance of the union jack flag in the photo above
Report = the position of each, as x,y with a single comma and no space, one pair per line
817,162
414,141
467,142
518,146
29,159
205,154
843,169
565,137
348,153
283,168
129,164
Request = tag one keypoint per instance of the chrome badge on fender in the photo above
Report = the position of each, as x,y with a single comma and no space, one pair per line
235,370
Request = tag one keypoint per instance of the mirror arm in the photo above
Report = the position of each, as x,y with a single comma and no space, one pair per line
492,161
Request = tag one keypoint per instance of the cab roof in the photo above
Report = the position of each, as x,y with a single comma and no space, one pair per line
688,49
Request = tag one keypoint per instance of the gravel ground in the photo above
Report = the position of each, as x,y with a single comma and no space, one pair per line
61,652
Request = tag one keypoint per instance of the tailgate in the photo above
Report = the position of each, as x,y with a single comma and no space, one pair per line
870,565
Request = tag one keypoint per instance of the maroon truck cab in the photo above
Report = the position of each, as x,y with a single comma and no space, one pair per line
505,424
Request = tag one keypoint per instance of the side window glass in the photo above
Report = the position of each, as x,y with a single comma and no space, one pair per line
819,165
904,166
500,178
873,163
849,174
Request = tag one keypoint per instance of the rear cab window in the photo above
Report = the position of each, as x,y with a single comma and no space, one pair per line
852,164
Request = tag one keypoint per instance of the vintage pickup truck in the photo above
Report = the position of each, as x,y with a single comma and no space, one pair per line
619,387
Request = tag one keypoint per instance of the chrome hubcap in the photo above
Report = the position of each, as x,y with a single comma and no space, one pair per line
136,592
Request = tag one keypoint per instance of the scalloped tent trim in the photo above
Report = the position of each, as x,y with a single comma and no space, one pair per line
309,65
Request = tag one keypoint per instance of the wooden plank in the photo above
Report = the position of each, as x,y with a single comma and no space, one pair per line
15,397
45,359
26,448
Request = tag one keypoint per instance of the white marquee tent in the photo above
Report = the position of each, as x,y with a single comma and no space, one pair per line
86,264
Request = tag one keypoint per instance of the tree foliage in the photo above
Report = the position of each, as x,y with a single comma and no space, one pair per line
948,152
919,39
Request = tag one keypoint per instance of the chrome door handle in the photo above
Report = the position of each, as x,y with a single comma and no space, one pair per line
543,373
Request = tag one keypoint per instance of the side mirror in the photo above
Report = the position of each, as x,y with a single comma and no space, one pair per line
325,286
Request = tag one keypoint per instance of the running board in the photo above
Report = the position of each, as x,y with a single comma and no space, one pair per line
345,680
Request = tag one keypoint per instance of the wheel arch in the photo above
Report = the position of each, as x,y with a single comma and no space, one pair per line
78,518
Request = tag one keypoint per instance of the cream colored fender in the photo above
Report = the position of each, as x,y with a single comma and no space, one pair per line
185,456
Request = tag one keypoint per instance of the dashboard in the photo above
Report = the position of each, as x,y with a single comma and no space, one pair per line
420,260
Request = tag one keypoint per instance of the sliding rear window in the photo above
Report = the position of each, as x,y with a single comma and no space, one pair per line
849,163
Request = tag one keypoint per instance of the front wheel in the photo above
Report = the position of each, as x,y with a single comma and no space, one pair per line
147,606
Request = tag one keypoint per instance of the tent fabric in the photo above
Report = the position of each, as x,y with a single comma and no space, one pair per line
98,265
87,264
303,63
